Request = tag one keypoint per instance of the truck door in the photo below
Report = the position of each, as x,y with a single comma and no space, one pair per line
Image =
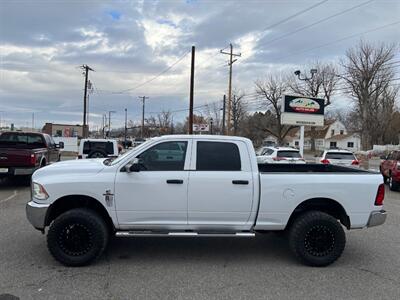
52,152
220,184
157,194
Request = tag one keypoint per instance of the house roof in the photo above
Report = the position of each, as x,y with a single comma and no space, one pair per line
339,137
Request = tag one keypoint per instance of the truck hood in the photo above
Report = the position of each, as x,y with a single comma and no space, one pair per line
79,167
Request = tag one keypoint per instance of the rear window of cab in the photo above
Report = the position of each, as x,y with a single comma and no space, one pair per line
292,154
339,155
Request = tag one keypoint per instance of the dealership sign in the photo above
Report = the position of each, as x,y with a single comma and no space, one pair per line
299,110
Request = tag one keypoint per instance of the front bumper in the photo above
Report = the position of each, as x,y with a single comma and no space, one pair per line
377,218
36,214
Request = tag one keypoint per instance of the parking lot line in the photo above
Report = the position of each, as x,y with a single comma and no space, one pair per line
10,197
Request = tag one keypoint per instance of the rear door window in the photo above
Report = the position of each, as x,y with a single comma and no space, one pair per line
340,155
217,156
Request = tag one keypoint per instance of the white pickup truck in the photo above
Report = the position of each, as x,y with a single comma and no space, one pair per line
212,187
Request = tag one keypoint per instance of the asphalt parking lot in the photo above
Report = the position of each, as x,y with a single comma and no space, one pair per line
195,268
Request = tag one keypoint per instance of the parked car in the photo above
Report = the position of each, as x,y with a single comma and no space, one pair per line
21,153
339,157
97,148
285,155
215,188
390,170
137,141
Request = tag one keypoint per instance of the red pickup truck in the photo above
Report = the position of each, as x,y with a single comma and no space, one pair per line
22,153
390,170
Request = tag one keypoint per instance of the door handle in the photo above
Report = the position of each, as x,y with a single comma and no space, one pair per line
240,182
174,181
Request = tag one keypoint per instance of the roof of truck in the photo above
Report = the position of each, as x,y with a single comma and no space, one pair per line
202,136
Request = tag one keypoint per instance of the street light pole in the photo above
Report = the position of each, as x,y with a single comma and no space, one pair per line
304,78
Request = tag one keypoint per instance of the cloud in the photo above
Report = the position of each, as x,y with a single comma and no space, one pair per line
43,43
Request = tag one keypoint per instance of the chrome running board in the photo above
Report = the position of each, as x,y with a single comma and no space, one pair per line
182,234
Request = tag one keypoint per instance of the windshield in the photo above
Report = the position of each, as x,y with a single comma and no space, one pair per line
339,155
114,161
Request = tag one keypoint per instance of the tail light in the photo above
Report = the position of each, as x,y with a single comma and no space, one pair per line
325,162
32,160
355,162
380,195
279,158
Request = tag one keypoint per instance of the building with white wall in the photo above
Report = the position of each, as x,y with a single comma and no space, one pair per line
332,135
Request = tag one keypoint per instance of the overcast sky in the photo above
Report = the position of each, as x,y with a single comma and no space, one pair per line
127,43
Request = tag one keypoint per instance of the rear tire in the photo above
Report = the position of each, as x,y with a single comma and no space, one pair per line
316,238
77,237
393,185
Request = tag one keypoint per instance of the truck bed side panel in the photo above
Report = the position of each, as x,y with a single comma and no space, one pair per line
281,193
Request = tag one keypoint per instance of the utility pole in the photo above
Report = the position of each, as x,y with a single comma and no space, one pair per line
33,121
223,115
231,61
109,121
126,129
86,69
191,100
143,98
103,124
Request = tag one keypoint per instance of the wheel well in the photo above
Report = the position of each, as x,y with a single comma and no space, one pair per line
77,201
326,205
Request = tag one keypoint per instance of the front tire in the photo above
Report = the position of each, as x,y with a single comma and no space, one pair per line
317,239
77,237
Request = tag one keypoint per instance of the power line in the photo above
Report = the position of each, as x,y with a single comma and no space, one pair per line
294,15
155,77
339,40
281,22
316,23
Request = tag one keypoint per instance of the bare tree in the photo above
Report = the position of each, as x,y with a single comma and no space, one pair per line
165,122
271,91
368,77
214,111
238,110
321,85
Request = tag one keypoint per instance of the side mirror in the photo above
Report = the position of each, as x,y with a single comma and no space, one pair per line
60,145
133,166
